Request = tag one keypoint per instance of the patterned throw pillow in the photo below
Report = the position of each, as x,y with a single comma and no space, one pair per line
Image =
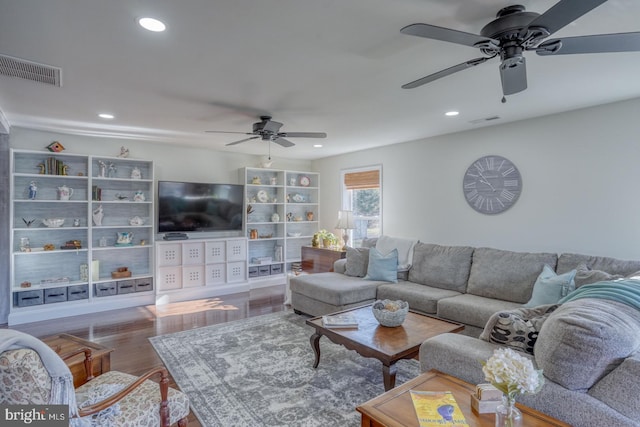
517,329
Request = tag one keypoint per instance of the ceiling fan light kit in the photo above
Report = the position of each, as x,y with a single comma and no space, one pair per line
515,31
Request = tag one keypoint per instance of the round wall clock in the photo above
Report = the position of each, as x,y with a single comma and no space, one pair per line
492,184
305,181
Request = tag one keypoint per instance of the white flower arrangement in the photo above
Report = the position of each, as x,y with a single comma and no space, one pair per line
512,373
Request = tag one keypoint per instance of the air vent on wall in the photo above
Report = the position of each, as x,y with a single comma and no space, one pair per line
16,67
485,119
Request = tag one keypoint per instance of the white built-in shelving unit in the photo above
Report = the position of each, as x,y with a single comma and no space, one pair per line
283,218
61,282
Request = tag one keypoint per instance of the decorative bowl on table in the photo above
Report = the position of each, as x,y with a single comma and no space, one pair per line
390,313
53,222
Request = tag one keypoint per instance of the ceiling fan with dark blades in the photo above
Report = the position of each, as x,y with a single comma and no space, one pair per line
515,31
269,130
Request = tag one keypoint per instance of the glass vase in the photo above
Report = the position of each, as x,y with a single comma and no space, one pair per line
507,415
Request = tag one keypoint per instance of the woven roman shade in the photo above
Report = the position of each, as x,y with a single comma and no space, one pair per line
362,180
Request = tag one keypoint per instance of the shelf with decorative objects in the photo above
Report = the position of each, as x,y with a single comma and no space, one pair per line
281,217
75,221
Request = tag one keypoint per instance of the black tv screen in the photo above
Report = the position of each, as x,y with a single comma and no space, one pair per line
199,207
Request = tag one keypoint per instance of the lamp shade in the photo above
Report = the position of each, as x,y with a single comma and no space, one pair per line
345,220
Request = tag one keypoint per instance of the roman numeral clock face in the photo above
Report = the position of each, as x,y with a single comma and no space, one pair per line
492,184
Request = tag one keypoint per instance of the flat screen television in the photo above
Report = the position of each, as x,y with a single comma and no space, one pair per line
199,207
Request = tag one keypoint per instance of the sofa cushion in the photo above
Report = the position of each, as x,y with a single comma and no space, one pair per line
357,262
518,328
445,267
472,309
404,248
420,297
382,266
583,340
334,288
506,275
569,261
586,275
550,287
621,388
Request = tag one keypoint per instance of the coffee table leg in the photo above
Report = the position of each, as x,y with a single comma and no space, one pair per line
315,344
389,376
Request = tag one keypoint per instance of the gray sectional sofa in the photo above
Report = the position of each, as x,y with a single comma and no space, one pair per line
475,286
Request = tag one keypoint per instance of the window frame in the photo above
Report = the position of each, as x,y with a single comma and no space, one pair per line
345,199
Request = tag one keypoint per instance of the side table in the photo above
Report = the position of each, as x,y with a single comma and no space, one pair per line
395,408
319,260
65,343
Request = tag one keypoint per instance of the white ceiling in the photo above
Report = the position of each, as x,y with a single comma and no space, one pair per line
329,66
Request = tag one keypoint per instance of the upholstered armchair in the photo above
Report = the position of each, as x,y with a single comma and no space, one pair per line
113,398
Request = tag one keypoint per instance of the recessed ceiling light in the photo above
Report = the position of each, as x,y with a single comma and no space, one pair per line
106,116
451,113
317,145
152,24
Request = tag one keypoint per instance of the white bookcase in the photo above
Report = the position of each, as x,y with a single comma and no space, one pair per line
283,218
63,282
199,268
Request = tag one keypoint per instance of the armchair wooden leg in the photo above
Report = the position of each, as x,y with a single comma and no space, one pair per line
183,422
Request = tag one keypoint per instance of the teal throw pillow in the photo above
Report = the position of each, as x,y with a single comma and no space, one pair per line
382,267
550,287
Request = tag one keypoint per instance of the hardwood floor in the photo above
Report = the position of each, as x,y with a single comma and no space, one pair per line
127,331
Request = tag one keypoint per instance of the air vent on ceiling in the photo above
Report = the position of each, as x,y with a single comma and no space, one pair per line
483,120
16,67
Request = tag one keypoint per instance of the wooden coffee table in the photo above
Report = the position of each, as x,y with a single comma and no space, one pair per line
395,408
388,345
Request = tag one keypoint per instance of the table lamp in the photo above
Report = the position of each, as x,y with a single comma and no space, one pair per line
345,222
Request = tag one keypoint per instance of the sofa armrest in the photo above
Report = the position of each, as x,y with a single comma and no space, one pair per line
620,388
457,355
340,266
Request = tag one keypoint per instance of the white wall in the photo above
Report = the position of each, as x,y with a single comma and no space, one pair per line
581,179
171,162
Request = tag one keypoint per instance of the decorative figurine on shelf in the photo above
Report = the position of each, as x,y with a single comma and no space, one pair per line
33,190
112,170
290,216
28,222
139,196
135,173
55,147
124,152
103,169
98,214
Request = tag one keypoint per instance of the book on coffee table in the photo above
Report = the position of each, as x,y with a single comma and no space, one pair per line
437,408
339,321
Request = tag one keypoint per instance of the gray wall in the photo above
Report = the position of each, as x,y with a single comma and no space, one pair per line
580,184
4,228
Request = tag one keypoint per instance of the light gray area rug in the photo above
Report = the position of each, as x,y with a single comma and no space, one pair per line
259,372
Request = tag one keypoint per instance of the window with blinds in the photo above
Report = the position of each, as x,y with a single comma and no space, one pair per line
361,193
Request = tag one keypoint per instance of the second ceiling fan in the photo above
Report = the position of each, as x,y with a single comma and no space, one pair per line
515,31
269,130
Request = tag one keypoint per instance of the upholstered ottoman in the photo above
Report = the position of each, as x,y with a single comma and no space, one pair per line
323,293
